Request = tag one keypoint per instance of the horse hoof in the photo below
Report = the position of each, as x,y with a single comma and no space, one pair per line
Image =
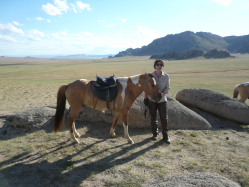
77,135
130,142
75,139
113,135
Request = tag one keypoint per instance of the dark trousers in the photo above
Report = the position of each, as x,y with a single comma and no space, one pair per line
163,113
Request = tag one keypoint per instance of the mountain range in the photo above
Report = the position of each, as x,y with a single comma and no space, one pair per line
189,40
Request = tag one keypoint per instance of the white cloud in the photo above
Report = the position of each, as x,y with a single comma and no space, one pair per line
10,29
36,42
42,19
224,2
59,35
39,19
51,9
17,23
83,6
62,5
124,20
35,35
110,25
74,8
148,34
7,39
59,7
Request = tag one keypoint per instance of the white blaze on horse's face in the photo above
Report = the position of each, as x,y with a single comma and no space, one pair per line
135,80
124,81
154,81
153,90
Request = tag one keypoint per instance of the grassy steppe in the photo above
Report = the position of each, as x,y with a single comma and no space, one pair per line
40,158
28,82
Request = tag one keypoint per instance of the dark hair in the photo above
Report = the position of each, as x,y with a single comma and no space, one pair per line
157,61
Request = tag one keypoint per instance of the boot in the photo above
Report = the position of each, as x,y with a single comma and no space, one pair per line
166,138
155,130
162,107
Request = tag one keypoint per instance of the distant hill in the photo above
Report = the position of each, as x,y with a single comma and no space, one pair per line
214,53
188,40
238,44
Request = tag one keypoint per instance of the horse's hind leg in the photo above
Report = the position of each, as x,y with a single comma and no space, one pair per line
74,133
243,95
114,123
126,133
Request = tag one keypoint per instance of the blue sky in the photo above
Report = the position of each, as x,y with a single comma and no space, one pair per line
63,27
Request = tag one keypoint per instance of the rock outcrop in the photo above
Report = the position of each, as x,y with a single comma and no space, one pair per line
215,103
22,122
180,117
34,117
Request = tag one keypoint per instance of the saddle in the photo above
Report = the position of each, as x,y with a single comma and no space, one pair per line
105,88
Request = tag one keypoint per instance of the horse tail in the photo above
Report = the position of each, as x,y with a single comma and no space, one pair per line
60,108
236,91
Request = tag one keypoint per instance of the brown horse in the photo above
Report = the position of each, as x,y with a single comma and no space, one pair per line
243,90
80,93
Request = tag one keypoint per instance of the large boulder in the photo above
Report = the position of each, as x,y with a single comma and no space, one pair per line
215,103
31,118
180,117
195,179
20,123
216,121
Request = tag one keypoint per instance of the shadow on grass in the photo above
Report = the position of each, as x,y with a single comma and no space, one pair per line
97,129
27,169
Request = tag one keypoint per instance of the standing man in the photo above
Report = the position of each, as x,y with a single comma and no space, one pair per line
163,83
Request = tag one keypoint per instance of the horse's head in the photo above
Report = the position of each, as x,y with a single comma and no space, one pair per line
148,83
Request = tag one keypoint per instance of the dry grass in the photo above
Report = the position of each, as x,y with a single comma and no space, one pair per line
31,82
100,161
42,158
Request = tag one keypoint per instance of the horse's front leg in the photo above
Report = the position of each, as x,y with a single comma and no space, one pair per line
126,133
65,121
77,134
74,134
114,123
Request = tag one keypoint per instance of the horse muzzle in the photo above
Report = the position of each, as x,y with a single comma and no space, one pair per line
157,97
